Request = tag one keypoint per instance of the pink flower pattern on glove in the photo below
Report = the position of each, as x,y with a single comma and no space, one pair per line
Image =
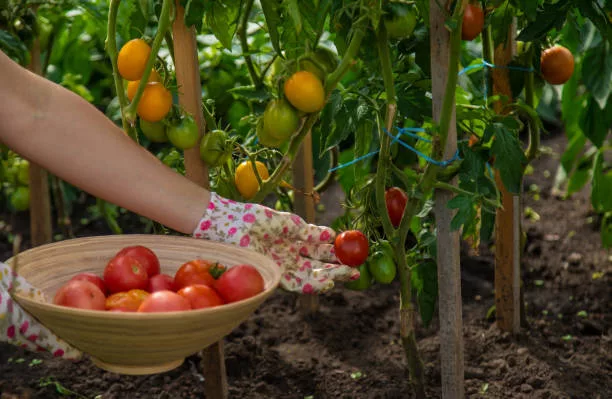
19,328
304,251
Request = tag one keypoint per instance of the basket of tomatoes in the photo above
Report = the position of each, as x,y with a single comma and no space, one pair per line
139,304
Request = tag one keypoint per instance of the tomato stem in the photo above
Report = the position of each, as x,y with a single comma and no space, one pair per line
165,21
534,129
242,35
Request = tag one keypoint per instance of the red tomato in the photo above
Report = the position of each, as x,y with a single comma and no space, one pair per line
145,256
161,282
396,200
351,247
239,282
194,272
124,273
164,301
93,278
201,296
126,301
473,22
80,294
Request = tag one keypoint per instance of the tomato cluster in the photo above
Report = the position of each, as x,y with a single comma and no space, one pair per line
132,282
379,267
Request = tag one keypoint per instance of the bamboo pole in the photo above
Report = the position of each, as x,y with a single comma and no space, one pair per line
190,97
449,271
507,219
40,200
303,180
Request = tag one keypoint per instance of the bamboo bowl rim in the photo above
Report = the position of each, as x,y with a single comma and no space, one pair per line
152,316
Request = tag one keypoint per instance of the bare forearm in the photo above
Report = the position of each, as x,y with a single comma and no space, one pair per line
66,135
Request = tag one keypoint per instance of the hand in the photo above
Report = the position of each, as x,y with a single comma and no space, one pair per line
303,250
19,328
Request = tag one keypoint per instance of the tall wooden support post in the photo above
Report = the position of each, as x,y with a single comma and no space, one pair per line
40,200
449,270
303,180
190,97
507,220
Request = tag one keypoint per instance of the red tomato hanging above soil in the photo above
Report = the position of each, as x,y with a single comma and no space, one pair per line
124,273
351,247
201,296
395,199
557,65
164,301
239,282
145,256
80,294
473,22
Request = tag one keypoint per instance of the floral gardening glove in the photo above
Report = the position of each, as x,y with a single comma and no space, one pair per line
19,328
303,250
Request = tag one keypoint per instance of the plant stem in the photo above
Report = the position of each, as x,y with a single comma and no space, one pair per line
488,49
111,49
329,177
454,189
534,129
242,34
415,365
162,28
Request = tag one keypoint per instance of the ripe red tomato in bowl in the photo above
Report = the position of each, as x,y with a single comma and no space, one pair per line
161,282
124,273
145,256
92,278
201,296
239,282
351,247
193,272
80,294
164,301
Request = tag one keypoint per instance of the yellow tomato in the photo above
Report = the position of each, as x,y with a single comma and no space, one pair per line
246,180
155,103
132,85
132,59
305,92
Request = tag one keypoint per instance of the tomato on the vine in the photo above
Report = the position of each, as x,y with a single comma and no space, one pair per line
23,172
395,199
213,148
184,134
264,136
363,282
132,59
132,86
382,267
280,119
155,102
154,131
305,92
473,22
351,247
557,65
320,62
400,20
20,199
246,180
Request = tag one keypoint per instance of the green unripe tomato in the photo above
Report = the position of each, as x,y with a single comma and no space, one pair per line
213,148
154,131
265,138
20,199
23,172
363,282
400,20
280,119
382,267
185,134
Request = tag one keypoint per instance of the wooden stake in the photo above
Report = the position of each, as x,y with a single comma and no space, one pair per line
40,200
190,97
449,271
303,180
507,219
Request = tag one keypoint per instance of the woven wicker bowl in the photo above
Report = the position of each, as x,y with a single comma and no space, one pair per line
136,343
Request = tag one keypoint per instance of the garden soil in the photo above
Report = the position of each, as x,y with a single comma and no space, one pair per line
351,350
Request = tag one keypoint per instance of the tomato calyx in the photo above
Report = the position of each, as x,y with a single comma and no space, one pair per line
216,270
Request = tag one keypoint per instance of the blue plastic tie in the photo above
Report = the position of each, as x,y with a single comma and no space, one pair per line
425,157
354,161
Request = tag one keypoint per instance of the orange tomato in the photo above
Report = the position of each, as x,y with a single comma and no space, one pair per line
557,65
473,22
246,180
201,296
132,59
132,85
193,272
128,301
155,103
305,92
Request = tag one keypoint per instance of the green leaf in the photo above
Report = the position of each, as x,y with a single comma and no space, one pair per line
601,192
251,93
363,137
270,10
595,122
606,230
344,124
593,11
598,76
328,115
465,210
424,281
13,47
194,13
222,17
530,8
551,16
293,10
509,157
487,225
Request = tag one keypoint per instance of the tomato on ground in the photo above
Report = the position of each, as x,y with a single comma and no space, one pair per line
473,22
93,278
246,180
557,65
128,301
145,256
164,301
132,59
351,247
305,92
239,282
80,294
201,296
124,273
197,271
396,200
161,282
